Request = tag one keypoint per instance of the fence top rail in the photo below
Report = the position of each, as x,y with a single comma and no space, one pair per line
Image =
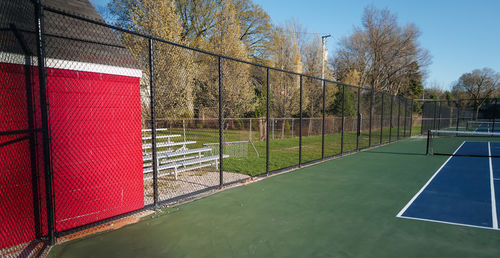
451,100
113,27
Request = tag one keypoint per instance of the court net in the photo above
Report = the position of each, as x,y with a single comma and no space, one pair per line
441,142
483,126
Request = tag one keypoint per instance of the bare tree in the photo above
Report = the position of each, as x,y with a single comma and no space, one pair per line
174,67
284,87
238,91
313,91
385,53
478,86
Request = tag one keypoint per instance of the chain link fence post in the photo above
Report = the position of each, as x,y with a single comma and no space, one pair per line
434,117
300,121
371,117
153,123
439,116
323,124
406,117
411,117
494,115
343,118
382,119
267,121
358,131
399,116
44,106
390,123
221,146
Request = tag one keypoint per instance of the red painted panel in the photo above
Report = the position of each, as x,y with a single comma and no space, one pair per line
96,150
94,177
17,216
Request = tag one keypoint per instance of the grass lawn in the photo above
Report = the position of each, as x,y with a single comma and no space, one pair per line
344,207
283,152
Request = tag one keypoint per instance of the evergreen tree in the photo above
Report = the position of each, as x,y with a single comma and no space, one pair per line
350,104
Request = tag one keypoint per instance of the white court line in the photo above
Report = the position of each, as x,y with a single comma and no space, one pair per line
447,222
492,186
428,182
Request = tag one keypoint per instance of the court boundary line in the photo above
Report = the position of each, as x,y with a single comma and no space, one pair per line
400,214
447,222
494,217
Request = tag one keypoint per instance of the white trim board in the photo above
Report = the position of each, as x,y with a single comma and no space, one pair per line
19,59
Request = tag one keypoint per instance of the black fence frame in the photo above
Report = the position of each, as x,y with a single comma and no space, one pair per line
40,40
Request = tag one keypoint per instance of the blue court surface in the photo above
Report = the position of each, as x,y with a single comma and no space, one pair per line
488,128
462,191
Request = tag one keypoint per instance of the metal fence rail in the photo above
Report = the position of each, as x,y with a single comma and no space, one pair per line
113,130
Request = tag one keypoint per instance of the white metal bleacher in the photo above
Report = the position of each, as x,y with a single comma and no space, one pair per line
173,161
145,138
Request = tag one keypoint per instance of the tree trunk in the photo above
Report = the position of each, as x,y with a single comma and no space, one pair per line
283,129
309,129
262,129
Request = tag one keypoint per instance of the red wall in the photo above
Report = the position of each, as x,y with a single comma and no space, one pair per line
17,207
95,120
95,128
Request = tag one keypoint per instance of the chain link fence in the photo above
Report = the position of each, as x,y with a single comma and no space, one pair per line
458,115
111,122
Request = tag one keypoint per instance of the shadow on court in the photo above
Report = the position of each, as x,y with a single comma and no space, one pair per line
344,207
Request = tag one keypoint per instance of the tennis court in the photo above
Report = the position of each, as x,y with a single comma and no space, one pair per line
483,126
462,191
345,207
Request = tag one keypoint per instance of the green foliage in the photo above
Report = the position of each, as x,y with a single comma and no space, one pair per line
350,105
240,125
415,89
417,107
260,106
187,82
287,126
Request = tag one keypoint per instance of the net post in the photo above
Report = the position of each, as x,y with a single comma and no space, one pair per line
382,119
153,123
428,141
300,120
343,118
358,132
44,105
267,121
221,147
323,124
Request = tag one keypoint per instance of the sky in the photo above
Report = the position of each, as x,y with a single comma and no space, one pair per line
461,35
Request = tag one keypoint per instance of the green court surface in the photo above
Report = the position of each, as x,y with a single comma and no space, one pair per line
344,207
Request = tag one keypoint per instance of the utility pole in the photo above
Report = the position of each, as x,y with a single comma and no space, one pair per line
323,40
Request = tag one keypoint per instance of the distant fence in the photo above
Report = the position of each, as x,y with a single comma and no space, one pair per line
454,114
73,152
